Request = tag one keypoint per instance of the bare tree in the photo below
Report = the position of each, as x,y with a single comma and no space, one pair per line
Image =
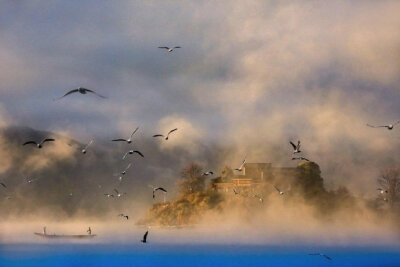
389,180
191,179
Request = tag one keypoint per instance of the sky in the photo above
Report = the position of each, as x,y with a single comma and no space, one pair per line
250,75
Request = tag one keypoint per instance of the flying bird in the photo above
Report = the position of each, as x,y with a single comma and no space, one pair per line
118,193
39,145
166,137
296,148
31,180
260,198
280,192
123,215
208,173
144,240
300,158
322,255
241,166
109,195
82,91
130,152
156,189
382,190
129,140
86,147
168,48
389,126
121,174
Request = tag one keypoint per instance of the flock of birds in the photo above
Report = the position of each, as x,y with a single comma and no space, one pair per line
116,194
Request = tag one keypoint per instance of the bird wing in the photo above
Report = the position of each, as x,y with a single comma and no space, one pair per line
93,92
68,93
277,189
327,257
298,144
158,135
139,153
125,155
145,236
91,141
120,139
306,159
293,145
48,140
129,165
3,185
177,47
162,189
173,130
372,126
29,142
116,191
164,47
137,128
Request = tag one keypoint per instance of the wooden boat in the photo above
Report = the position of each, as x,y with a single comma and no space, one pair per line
45,235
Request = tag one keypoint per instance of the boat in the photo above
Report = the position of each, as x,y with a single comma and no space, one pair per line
46,235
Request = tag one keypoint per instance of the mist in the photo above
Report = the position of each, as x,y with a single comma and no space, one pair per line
250,77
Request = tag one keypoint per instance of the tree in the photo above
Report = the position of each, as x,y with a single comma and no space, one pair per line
226,174
191,180
389,181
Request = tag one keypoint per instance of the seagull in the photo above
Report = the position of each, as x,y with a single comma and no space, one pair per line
169,49
166,138
260,198
118,193
80,90
130,152
300,158
129,140
144,240
322,255
32,180
296,148
382,190
109,195
156,189
208,173
241,166
39,145
280,192
389,126
121,174
86,147
3,184
123,215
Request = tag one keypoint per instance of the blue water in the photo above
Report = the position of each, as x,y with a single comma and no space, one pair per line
192,255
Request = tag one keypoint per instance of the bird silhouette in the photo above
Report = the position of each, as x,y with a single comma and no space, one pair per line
168,48
40,144
144,240
80,90
129,140
167,136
